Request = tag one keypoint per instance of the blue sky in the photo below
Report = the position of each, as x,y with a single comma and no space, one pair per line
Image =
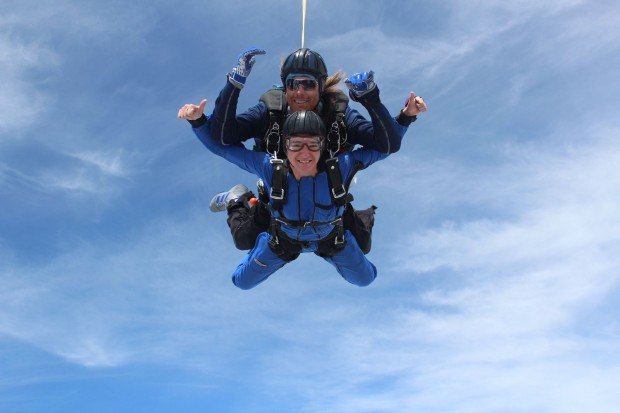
497,238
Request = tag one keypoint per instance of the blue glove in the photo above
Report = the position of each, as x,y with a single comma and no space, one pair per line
361,83
240,73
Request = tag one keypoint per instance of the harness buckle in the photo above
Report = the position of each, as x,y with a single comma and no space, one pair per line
339,193
278,194
277,162
339,240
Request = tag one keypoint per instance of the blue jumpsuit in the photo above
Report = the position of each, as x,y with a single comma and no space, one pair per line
308,200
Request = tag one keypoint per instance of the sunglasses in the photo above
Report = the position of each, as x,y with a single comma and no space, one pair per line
306,84
296,145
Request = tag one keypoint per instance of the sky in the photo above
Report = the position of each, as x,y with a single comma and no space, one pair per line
497,238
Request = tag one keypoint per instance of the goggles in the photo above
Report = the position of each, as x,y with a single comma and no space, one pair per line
296,144
306,84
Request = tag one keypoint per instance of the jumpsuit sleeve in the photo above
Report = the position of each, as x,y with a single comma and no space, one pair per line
254,162
367,156
227,127
382,133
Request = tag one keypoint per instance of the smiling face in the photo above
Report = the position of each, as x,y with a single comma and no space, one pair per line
304,161
299,97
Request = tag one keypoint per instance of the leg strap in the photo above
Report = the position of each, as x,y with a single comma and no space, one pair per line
281,245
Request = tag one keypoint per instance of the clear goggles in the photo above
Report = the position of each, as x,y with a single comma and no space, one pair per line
297,143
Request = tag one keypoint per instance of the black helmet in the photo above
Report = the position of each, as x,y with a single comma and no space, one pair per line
304,61
304,122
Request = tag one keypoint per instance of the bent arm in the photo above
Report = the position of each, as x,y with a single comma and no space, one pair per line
382,133
227,127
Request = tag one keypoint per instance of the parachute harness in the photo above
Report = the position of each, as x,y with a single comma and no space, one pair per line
273,145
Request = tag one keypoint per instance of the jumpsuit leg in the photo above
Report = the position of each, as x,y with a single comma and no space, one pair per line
247,223
352,264
258,264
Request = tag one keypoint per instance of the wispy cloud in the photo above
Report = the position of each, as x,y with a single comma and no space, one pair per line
82,173
474,36
30,56
110,164
21,100
154,296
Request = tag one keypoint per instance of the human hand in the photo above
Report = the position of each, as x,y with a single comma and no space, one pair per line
414,105
192,112
361,83
240,73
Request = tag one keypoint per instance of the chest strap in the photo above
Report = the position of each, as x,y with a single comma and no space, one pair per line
278,181
338,192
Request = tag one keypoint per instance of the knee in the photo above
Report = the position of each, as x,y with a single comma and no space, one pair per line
365,281
243,243
242,283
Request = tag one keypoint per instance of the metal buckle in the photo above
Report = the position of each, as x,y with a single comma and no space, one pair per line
277,196
339,239
341,190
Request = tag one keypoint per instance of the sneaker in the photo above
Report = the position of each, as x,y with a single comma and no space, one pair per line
223,199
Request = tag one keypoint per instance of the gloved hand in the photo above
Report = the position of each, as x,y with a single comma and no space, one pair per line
361,83
240,73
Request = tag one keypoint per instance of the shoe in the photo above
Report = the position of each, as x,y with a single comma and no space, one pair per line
263,196
223,199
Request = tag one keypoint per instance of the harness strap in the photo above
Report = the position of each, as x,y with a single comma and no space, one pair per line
279,181
338,191
279,239
306,224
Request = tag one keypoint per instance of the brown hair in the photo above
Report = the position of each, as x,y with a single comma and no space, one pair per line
332,82
331,96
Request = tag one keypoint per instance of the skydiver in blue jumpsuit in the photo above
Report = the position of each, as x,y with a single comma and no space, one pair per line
309,219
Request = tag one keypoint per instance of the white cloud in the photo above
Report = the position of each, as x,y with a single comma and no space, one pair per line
20,99
164,295
29,57
107,163
476,34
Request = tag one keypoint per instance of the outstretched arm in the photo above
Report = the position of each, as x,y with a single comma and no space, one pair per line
251,161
